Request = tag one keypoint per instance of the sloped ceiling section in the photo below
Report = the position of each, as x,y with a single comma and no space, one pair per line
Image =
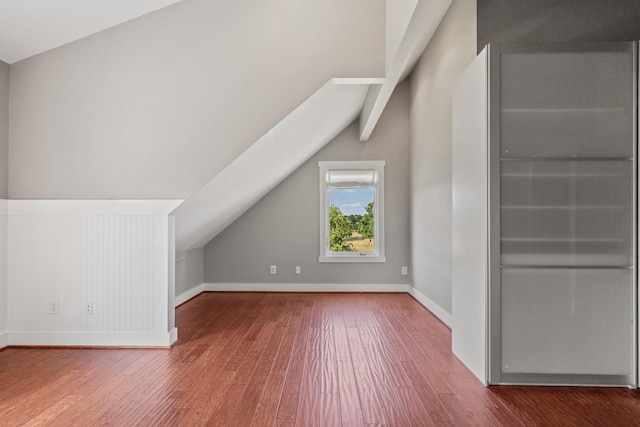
29,27
156,107
269,161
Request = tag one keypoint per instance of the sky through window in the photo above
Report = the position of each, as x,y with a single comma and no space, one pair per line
351,201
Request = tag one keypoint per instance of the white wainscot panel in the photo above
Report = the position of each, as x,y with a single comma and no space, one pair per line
112,255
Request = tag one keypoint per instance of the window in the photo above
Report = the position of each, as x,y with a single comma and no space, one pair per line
352,211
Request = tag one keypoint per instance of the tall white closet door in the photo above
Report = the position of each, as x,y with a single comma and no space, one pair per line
565,272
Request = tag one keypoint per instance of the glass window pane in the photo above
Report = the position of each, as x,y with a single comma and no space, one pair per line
351,219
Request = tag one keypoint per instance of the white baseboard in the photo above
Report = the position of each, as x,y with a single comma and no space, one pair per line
187,295
304,287
91,339
431,306
4,340
173,335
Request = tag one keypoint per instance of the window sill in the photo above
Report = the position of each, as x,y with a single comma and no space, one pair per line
352,258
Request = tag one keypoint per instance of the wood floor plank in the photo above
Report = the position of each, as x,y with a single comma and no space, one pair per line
311,387
218,407
370,401
248,403
330,412
267,406
99,397
287,411
437,412
121,406
348,398
430,372
204,392
48,395
350,405
246,384
386,373
480,401
289,359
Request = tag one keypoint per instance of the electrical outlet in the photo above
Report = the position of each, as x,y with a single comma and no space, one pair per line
273,269
405,270
298,269
54,306
88,308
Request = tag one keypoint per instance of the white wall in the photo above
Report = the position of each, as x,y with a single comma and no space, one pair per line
452,48
157,106
114,254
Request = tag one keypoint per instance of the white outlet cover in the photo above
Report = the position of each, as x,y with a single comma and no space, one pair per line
54,306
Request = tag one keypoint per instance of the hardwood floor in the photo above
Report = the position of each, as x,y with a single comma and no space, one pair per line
289,359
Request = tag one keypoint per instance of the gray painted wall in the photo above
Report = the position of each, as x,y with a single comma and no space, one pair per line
282,228
502,21
450,51
155,107
4,130
189,269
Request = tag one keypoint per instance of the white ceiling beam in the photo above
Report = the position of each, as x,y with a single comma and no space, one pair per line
268,161
423,24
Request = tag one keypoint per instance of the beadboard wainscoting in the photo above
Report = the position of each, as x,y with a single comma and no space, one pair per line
89,272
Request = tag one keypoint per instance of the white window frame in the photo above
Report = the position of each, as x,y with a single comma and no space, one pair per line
377,167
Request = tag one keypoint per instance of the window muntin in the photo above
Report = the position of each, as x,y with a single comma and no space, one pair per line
352,211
